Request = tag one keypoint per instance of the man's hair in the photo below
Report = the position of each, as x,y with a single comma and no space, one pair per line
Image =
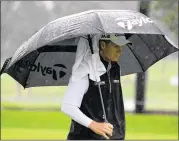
106,41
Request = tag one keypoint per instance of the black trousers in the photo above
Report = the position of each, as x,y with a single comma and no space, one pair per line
88,138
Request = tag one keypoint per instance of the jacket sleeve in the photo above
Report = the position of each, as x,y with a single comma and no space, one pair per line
72,101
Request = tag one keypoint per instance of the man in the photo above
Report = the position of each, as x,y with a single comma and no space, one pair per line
82,102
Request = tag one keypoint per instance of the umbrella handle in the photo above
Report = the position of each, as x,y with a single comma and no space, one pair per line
102,102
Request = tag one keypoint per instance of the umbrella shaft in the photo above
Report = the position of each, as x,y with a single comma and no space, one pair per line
102,103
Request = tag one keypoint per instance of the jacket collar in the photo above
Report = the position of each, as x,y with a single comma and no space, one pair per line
104,62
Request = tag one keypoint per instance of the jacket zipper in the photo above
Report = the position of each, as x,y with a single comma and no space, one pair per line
109,80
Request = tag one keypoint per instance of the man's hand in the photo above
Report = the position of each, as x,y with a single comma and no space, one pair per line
103,128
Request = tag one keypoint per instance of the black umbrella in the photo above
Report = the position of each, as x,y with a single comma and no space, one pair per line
46,59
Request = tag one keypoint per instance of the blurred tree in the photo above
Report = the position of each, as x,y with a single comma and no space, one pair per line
141,78
167,11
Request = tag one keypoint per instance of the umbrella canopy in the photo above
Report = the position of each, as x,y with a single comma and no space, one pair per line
46,59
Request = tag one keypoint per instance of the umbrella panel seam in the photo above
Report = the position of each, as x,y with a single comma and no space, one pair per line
136,58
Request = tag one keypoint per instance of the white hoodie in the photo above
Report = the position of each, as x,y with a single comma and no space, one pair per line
85,63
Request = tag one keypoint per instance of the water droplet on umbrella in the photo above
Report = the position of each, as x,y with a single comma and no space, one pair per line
146,57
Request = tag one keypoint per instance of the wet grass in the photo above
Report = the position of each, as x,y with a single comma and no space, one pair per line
55,125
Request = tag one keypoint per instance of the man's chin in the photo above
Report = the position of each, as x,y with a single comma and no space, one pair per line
114,61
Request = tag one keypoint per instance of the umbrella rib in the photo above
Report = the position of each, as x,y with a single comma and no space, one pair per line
136,58
148,46
165,53
29,70
100,22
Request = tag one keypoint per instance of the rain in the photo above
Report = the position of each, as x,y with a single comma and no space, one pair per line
150,97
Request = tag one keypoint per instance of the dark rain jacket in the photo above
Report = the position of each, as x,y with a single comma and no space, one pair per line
91,106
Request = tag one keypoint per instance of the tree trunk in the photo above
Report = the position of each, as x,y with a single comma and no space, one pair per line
141,77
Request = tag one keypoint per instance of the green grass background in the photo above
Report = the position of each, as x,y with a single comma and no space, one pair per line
55,125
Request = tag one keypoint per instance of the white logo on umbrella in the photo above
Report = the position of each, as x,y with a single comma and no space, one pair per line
128,24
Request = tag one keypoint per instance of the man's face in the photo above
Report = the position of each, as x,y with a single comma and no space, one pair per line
111,50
